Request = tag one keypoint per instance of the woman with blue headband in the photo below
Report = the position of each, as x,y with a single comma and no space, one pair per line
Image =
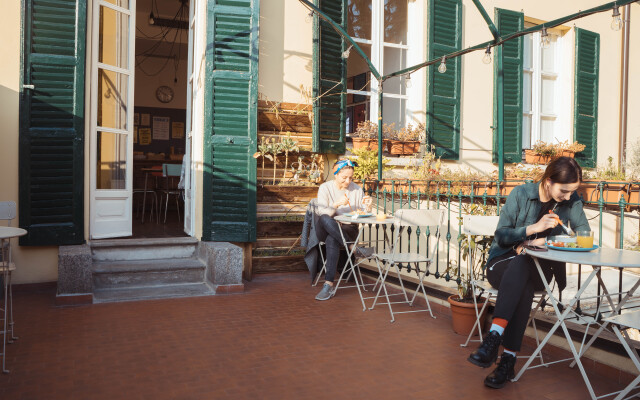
337,197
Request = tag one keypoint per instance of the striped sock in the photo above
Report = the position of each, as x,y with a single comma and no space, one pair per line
498,325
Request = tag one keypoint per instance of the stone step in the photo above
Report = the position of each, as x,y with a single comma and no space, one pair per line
143,249
140,273
111,295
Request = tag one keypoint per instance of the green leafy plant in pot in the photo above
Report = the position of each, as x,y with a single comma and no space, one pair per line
474,250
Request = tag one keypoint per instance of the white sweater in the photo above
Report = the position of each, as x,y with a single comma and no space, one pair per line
329,194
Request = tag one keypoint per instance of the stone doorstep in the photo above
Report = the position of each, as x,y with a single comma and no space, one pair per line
612,365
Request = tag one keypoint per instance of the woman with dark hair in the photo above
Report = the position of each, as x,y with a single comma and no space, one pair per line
336,197
529,215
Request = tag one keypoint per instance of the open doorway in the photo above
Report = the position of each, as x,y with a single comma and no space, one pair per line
160,118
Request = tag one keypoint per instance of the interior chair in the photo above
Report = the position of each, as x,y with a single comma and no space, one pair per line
429,222
486,225
7,214
143,192
170,172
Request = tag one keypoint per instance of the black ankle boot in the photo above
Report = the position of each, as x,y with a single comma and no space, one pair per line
487,353
505,372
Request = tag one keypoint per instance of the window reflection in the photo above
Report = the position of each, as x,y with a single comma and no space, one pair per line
395,21
112,157
359,19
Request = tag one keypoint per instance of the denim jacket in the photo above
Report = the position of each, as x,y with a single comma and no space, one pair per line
521,210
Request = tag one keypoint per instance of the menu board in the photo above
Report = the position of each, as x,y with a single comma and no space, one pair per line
159,130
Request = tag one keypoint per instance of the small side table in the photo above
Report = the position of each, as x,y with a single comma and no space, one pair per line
6,266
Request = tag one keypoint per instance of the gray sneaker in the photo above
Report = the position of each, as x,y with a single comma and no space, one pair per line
325,293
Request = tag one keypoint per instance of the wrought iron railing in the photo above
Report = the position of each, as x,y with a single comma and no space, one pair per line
618,199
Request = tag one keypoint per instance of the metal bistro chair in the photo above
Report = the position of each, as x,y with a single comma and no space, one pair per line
7,213
427,221
486,225
170,171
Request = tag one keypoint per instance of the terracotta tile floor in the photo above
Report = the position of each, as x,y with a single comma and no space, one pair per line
272,342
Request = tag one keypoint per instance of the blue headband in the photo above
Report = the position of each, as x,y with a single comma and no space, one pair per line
341,164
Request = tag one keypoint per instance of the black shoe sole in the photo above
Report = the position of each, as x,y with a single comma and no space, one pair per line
480,364
497,385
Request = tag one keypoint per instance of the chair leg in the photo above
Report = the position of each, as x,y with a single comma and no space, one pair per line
324,267
12,337
477,323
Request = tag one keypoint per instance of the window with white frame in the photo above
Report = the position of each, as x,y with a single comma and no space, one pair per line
546,89
380,27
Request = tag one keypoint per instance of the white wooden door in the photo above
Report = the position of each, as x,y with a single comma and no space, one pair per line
193,146
112,74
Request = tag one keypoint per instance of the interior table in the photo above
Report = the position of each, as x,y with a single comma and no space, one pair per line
6,234
350,266
597,259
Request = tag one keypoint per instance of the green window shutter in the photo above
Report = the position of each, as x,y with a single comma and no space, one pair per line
52,122
509,22
443,90
231,96
329,80
585,118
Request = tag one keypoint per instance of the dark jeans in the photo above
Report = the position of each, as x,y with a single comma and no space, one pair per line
516,278
328,231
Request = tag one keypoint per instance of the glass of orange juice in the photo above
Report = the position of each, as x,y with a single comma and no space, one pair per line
584,239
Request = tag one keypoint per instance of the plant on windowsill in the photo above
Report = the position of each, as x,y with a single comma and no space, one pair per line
544,153
610,183
365,136
406,141
474,255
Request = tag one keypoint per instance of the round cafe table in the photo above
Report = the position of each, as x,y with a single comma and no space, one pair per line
601,257
6,266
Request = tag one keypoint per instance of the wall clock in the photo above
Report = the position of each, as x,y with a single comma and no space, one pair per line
164,94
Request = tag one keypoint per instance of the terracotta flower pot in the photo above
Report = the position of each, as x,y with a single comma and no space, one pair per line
359,143
463,315
398,147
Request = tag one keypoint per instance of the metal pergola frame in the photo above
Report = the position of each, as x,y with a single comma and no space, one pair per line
497,41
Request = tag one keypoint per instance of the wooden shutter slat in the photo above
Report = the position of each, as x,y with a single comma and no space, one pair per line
52,122
509,22
585,130
329,80
229,200
443,90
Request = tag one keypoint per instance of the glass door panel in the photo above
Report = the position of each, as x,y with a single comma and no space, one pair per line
112,46
113,37
112,101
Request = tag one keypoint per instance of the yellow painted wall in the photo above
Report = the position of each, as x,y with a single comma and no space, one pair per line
34,264
285,51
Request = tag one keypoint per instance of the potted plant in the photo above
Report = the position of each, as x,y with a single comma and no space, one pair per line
405,141
365,136
608,182
474,254
544,153
367,160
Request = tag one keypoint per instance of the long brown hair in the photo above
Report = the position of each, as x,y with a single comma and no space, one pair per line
563,170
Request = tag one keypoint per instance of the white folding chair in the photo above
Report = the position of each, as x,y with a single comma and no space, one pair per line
620,324
486,225
428,221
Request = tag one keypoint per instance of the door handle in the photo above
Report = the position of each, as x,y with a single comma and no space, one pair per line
28,87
